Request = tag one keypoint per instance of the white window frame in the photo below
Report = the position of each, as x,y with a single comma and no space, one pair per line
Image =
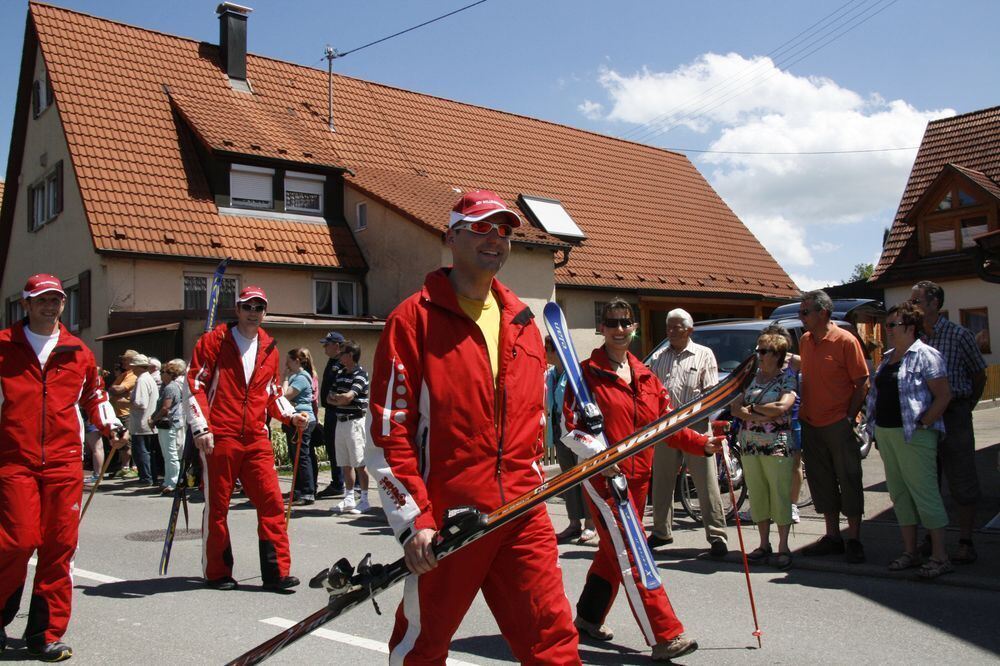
44,198
71,313
310,178
361,216
44,92
234,171
335,296
208,285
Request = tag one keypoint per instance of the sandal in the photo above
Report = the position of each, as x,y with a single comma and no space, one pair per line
759,554
934,568
966,552
781,561
905,561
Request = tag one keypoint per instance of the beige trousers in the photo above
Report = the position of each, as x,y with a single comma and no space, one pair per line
666,461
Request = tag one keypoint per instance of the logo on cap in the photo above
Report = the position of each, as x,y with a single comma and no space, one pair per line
480,204
250,293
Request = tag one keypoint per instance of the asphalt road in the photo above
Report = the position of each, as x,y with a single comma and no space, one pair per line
124,613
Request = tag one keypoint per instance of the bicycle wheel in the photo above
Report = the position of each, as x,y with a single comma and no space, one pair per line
689,494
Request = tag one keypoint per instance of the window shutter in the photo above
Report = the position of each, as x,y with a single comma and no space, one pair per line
59,188
49,92
251,186
84,299
36,99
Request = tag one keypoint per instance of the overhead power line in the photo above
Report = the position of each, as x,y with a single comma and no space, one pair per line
338,54
792,152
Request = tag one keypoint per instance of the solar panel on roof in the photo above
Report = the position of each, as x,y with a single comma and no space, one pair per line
550,215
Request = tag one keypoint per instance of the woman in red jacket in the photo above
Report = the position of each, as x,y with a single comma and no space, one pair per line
629,396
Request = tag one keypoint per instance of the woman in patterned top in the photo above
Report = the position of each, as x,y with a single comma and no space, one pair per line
905,405
765,441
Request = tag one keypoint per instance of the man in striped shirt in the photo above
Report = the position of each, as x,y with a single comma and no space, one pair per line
967,378
350,400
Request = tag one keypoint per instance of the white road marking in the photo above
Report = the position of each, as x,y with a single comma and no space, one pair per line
89,575
348,639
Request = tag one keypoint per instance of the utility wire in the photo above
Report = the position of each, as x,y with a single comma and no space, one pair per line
793,152
338,54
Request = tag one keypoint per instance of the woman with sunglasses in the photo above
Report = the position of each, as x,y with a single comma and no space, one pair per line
629,396
766,442
905,407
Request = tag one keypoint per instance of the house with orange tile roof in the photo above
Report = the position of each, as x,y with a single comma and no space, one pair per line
947,221
142,159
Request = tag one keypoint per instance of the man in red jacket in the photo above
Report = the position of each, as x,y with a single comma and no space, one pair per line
630,396
457,402
45,372
235,385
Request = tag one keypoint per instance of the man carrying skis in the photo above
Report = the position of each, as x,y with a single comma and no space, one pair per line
45,372
458,420
629,396
235,385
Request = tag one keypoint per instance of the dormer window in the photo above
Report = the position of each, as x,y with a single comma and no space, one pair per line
954,218
304,192
251,187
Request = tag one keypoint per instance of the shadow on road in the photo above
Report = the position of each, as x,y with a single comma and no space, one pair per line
137,589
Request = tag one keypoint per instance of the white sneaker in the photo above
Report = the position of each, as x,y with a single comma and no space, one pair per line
347,505
363,504
795,514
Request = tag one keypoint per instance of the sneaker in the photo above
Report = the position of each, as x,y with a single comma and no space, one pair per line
569,534
363,505
674,648
654,541
795,514
854,552
51,652
282,584
597,632
824,546
347,505
718,549
224,583
331,491
304,500
587,535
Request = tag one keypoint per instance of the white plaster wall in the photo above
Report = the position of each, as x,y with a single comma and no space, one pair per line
64,246
960,295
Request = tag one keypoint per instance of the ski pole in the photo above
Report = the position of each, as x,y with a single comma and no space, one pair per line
93,491
743,551
295,474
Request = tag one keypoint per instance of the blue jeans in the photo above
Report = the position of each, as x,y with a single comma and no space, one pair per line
305,482
144,449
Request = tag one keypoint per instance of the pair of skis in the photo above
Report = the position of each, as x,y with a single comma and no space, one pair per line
586,407
188,450
349,586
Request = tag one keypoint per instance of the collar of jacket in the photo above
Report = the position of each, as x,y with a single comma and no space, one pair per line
437,289
66,341
265,343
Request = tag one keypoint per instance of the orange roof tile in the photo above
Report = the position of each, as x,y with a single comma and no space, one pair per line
970,143
652,220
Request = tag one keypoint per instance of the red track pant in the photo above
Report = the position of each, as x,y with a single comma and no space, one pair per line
250,461
651,608
517,568
39,510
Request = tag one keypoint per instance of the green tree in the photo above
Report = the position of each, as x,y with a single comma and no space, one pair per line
861,272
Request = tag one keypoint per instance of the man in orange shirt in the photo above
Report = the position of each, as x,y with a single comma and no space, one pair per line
834,386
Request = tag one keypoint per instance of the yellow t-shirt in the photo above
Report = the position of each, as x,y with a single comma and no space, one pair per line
486,314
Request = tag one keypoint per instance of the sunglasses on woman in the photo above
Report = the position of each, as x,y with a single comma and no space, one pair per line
482,227
894,324
764,351
623,322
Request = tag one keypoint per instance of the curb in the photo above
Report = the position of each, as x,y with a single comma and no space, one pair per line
956,579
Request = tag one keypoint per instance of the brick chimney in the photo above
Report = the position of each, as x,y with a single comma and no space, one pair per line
233,41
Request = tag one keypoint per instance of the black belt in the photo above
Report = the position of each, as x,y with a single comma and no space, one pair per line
347,417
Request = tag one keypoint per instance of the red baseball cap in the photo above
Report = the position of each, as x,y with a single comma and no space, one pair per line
250,293
40,284
480,204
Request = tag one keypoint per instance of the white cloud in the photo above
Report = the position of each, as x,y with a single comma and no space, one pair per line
806,283
747,105
591,110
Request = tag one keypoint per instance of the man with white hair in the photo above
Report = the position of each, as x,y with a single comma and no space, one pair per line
687,370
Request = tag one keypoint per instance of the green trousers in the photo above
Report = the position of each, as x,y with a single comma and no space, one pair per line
769,484
911,475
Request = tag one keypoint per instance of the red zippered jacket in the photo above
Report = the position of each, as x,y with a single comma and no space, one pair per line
222,401
444,435
40,423
625,410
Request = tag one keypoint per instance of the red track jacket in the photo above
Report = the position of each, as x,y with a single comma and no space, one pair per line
39,420
625,410
444,435
221,399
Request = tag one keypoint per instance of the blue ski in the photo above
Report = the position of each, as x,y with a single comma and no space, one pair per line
593,421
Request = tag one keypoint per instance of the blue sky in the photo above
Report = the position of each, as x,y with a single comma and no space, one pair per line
673,74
